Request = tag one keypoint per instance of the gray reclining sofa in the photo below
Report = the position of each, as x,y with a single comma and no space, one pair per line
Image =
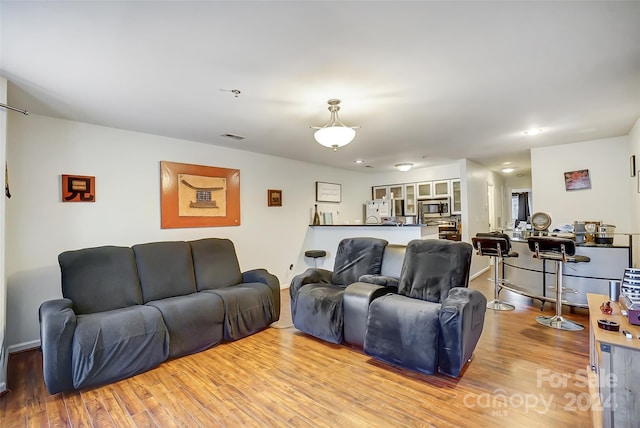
126,310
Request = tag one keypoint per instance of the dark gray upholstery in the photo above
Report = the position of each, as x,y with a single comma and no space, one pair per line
112,345
317,294
359,295
165,269
203,323
248,308
251,299
100,279
404,332
356,257
101,331
434,266
435,321
216,264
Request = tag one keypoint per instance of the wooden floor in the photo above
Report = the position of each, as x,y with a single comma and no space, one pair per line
522,375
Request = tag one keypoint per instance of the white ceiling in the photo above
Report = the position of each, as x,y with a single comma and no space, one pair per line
427,81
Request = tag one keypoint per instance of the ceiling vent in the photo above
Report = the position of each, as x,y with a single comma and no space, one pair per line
234,137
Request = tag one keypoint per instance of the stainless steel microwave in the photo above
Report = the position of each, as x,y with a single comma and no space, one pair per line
430,208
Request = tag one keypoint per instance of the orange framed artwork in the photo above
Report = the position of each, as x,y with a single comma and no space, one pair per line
78,188
198,196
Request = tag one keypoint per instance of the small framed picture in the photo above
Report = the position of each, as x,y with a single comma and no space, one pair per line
577,180
328,192
78,188
274,198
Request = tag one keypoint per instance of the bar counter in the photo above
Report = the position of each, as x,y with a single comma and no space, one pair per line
536,278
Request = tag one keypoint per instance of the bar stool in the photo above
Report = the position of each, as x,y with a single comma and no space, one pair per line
315,255
561,251
498,246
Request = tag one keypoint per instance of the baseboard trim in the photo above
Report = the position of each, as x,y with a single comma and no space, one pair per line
24,346
479,273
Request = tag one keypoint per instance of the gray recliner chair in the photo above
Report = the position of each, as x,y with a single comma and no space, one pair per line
317,294
435,320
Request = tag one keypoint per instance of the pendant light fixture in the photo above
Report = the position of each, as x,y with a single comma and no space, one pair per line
335,133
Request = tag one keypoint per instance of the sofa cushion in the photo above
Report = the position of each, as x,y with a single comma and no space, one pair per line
434,266
100,279
356,257
165,269
404,331
112,345
248,308
194,322
215,263
319,311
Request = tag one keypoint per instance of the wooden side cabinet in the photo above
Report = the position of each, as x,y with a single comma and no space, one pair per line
614,359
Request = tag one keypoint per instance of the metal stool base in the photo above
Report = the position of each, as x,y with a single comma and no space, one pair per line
497,305
559,323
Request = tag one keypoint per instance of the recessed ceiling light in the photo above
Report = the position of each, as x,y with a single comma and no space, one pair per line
404,167
507,170
506,163
533,131
358,161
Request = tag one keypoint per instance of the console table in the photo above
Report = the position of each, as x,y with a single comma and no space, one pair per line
616,362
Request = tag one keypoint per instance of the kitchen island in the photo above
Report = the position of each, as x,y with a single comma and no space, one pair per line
327,237
536,278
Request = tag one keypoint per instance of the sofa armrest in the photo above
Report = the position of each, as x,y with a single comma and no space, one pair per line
387,281
461,322
57,326
310,276
263,276
357,298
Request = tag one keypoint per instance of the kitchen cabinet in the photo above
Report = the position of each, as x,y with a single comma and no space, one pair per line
410,207
394,191
456,197
441,188
425,189
381,192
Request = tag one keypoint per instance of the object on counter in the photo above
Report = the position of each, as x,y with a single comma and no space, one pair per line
316,217
605,308
604,234
608,325
614,290
579,231
630,295
540,222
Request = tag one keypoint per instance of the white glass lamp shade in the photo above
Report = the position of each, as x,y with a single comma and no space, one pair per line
334,136
404,167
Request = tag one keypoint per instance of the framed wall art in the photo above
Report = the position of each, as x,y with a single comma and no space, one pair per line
198,196
577,180
328,192
78,188
274,198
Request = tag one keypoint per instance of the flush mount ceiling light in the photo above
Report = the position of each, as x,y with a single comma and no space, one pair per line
404,167
507,170
533,131
335,133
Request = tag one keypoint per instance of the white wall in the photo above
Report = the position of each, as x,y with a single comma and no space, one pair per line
608,199
475,181
634,193
127,207
3,280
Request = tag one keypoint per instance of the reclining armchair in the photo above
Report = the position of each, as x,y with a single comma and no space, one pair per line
435,320
317,294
